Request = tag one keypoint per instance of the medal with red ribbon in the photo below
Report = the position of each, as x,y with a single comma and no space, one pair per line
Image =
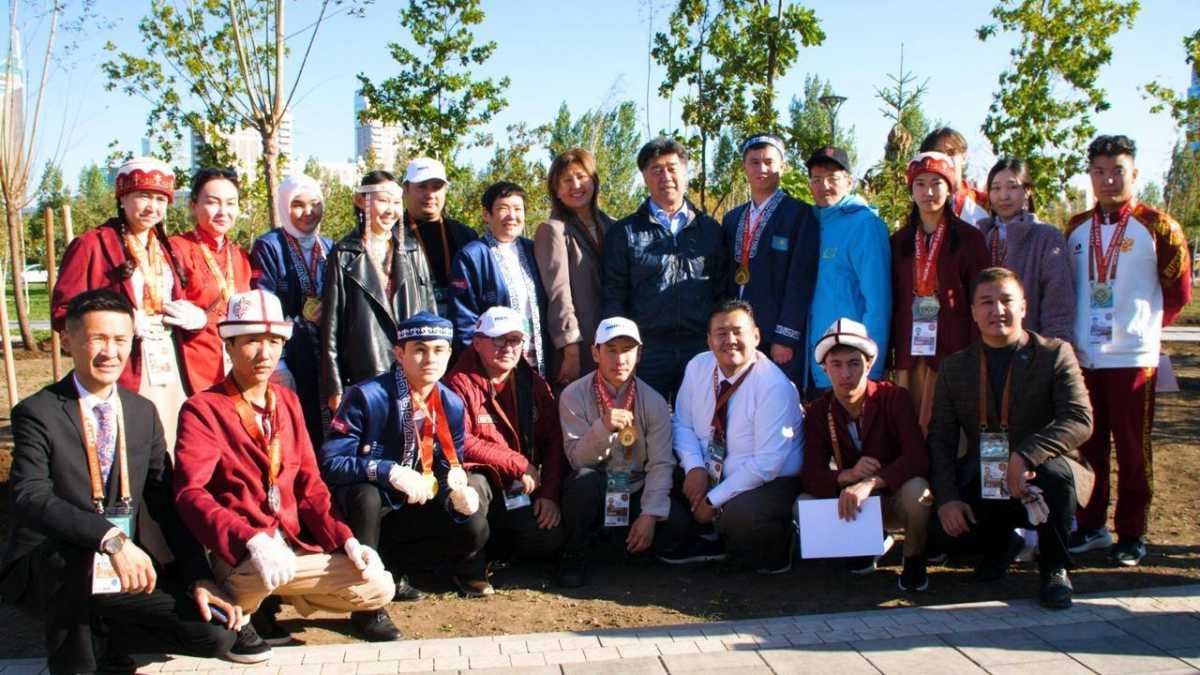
628,435
435,424
265,435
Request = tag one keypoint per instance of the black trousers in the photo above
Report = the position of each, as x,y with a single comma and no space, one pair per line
996,518
516,533
756,525
664,360
416,535
83,629
583,512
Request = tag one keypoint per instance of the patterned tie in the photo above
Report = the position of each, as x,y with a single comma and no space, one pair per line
106,438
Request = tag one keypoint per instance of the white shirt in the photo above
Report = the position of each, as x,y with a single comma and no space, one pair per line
166,280
769,446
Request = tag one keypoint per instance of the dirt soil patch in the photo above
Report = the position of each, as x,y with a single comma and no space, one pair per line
622,596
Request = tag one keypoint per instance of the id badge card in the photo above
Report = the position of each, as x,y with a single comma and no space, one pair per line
1100,327
158,358
104,575
715,464
925,310
616,501
515,497
993,465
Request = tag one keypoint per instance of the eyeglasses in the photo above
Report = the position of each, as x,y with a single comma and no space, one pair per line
507,342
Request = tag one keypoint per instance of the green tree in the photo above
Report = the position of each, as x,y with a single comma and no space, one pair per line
93,202
612,136
214,66
338,201
434,98
1042,111
1181,192
1151,194
51,194
809,123
1186,111
885,184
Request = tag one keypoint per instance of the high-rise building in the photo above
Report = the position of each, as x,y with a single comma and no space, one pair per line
181,151
12,101
246,146
373,137
1193,130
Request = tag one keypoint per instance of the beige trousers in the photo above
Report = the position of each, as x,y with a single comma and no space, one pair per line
322,582
921,382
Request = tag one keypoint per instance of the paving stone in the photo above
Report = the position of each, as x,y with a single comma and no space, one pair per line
1122,655
310,669
1188,656
601,653
516,647
376,668
451,663
545,645
535,659
480,648
710,646
398,651
1166,631
579,642
699,663
339,669
1074,632
433,650
927,655
175,665
825,658
637,651
678,647
487,661
528,670
322,656
1060,666
565,656
414,665
360,655
1002,647
639,666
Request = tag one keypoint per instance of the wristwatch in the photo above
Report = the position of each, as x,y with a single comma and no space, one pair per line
372,470
113,544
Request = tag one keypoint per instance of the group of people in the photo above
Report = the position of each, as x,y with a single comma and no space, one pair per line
314,420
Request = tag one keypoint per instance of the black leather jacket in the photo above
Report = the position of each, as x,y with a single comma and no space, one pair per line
665,283
358,322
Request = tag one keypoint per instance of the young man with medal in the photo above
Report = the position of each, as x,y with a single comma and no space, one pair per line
617,436
862,438
248,487
216,268
665,267
394,458
1019,401
512,437
88,457
854,271
774,240
441,238
1132,278
738,434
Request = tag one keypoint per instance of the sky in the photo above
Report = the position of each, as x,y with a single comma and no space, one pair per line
589,54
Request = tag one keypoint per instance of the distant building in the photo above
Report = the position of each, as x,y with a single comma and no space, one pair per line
1193,131
181,151
246,146
372,137
12,101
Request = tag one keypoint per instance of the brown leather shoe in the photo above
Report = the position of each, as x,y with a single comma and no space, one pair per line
473,587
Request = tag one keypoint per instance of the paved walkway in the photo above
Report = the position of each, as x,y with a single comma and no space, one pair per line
1151,630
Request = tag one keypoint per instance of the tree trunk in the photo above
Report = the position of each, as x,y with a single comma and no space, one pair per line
10,372
51,279
12,216
270,169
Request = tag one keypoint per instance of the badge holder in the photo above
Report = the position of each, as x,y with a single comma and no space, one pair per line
924,325
993,465
715,462
1101,319
515,497
104,575
617,500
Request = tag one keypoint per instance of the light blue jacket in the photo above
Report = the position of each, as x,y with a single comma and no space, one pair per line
853,277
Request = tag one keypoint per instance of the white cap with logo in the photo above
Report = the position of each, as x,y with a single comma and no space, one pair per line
422,169
615,327
500,320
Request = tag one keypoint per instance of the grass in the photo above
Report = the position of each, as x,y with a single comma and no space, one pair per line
39,303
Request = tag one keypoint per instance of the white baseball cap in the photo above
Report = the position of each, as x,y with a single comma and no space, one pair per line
254,313
615,327
500,320
845,332
422,169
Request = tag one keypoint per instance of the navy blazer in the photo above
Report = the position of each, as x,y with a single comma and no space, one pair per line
477,284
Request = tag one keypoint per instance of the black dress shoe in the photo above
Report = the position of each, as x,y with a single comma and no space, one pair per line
375,626
249,647
406,592
268,628
572,572
117,664
1056,590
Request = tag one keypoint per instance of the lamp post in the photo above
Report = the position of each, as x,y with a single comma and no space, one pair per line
832,103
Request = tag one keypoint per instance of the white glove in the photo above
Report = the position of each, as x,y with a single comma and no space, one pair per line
364,557
457,478
465,500
412,484
1035,506
272,559
185,315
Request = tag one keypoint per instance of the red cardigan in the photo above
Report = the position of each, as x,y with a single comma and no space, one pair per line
963,255
203,351
889,432
91,262
489,441
221,484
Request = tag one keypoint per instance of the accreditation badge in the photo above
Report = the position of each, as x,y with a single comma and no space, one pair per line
515,497
924,325
993,465
158,358
1100,327
616,500
715,464
104,575
312,310
274,500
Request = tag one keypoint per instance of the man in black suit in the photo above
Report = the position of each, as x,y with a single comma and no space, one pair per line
88,459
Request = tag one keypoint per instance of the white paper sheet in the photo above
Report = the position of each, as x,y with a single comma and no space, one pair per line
824,535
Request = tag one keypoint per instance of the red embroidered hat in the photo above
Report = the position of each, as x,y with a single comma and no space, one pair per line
146,174
932,162
845,332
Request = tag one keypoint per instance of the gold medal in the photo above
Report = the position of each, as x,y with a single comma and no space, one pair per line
1102,295
742,276
926,307
628,436
312,309
433,483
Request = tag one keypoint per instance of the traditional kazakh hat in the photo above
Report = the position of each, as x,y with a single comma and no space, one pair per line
424,326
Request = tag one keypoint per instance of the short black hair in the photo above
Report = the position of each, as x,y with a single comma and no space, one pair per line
992,274
96,300
730,306
500,190
205,176
660,147
1111,146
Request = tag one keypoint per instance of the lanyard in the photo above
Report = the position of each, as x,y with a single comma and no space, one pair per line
435,423
445,243
750,230
149,260
925,264
226,285
833,437
269,444
93,456
605,403
307,272
1102,265
998,247
983,393
722,400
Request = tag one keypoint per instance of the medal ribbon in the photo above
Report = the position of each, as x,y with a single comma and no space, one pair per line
751,231
605,403
722,399
1102,265
925,264
93,456
435,423
249,418
983,393
149,259
998,247
307,273
226,285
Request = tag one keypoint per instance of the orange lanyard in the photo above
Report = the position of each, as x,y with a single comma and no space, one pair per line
149,260
269,444
93,456
445,243
435,423
983,393
227,285
605,403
